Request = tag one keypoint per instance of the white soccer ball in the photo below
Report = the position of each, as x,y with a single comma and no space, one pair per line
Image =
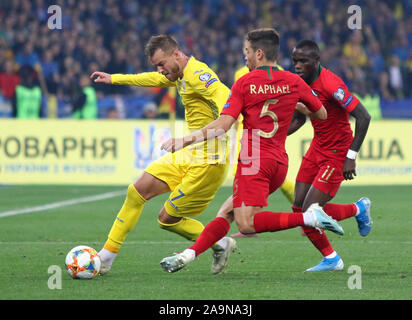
83,262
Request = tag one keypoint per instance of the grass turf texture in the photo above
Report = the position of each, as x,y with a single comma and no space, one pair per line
269,267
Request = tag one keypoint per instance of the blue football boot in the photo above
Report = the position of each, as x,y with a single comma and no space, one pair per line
364,217
326,264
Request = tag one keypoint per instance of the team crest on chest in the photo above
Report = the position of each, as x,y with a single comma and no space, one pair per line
205,76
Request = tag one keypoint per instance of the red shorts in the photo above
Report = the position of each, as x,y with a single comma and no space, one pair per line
254,189
323,171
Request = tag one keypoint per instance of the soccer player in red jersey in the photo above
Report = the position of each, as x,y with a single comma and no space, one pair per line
332,153
267,98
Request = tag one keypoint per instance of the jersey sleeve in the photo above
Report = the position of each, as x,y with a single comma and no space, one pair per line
339,92
308,97
207,85
234,104
144,79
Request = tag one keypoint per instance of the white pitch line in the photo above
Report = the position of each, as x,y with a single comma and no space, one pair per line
60,204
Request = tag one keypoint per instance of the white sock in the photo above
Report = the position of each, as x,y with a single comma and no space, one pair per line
222,243
332,255
190,253
357,210
107,256
307,219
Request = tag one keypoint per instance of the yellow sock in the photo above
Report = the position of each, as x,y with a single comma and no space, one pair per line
188,228
288,190
126,219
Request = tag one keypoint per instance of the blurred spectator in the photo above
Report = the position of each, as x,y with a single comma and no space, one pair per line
395,78
27,100
375,61
112,113
384,86
28,56
50,71
84,99
8,80
353,49
150,110
408,75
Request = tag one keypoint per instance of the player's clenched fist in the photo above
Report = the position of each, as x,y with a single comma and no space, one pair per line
101,77
172,145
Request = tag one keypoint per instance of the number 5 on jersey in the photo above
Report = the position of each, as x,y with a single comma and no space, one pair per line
267,112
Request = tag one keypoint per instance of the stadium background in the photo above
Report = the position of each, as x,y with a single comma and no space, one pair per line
83,156
375,62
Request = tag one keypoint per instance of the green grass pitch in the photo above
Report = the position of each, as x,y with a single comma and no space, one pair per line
269,267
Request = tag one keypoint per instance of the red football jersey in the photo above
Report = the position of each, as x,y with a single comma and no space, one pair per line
267,97
333,135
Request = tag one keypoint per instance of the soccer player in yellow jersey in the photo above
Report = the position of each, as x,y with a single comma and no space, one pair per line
191,178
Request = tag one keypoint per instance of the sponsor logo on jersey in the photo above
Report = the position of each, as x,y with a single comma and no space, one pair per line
198,71
210,82
227,104
339,94
347,102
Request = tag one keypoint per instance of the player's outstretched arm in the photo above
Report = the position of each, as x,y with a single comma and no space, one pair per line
363,118
101,77
214,129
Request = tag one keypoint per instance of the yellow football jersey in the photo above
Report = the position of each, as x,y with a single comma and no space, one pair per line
193,180
203,94
241,72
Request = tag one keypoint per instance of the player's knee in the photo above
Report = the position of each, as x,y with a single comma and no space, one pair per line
148,186
227,215
166,219
144,190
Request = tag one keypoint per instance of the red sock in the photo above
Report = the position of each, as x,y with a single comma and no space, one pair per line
267,221
340,211
320,241
299,209
213,232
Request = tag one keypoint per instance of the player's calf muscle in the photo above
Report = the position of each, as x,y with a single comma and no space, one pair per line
244,218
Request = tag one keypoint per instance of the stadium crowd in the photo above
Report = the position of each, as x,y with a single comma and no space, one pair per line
109,35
